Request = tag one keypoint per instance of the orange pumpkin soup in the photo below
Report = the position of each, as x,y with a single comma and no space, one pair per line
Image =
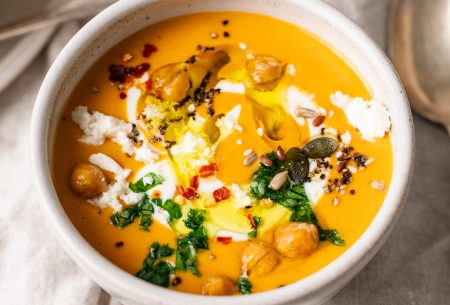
222,153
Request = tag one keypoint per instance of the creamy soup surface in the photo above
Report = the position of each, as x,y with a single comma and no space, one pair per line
222,153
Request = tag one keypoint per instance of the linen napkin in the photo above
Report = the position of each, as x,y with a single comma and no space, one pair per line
412,268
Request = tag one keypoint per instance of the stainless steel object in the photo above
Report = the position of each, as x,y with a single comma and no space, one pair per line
419,46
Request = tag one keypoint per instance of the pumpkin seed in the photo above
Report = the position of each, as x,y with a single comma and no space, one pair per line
297,165
321,147
278,180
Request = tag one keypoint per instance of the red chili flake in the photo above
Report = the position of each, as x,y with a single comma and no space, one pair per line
224,239
156,194
148,84
149,49
252,221
318,121
194,182
122,95
189,193
141,69
208,170
180,189
221,194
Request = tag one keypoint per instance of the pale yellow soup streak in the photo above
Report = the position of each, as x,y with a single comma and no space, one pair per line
319,70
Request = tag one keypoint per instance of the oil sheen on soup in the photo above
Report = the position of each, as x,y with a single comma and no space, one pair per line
222,153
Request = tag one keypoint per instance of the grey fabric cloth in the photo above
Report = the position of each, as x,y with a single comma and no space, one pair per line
413,267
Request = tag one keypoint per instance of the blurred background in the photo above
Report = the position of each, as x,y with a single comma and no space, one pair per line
413,267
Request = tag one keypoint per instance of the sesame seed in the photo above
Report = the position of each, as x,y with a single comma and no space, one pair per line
213,35
191,108
290,69
239,142
250,56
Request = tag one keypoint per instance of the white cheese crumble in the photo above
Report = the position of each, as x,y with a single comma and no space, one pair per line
314,189
230,87
370,118
346,137
297,98
191,152
241,197
153,111
117,190
98,127
290,69
229,122
260,131
242,46
191,108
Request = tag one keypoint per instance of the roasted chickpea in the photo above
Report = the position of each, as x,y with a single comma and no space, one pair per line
171,82
87,180
265,72
296,239
259,258
218,285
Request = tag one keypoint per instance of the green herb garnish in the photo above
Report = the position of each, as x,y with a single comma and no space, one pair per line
244,285
291,196
186,258
255,224
195,218
146,183
171,207
144,209
157,272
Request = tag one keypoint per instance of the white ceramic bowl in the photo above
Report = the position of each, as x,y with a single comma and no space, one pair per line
128,16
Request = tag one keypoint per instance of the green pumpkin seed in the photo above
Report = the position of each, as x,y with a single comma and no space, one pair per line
297,165
320,147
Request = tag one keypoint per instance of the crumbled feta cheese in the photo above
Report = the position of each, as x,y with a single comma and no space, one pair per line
290,69
241,197
242,46
189,152
145,77
346,138
370,118
297,98
230,87
164,169
352,169
331,131
191,108
260,131
117,190
250,56
98,127
229,122
153,111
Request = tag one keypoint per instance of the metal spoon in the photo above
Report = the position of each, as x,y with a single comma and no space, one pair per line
65,11
419,46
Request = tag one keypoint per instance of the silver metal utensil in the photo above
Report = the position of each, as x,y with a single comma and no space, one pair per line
65,11
419,46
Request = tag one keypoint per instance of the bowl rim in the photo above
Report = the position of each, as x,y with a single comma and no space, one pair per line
125,284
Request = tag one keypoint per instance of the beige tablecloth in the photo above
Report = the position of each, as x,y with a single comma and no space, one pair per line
413,267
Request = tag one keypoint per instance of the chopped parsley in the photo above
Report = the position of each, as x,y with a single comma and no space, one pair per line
146,183
156,272
195,218
186,257
144,209
244,285
291,196
171,207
